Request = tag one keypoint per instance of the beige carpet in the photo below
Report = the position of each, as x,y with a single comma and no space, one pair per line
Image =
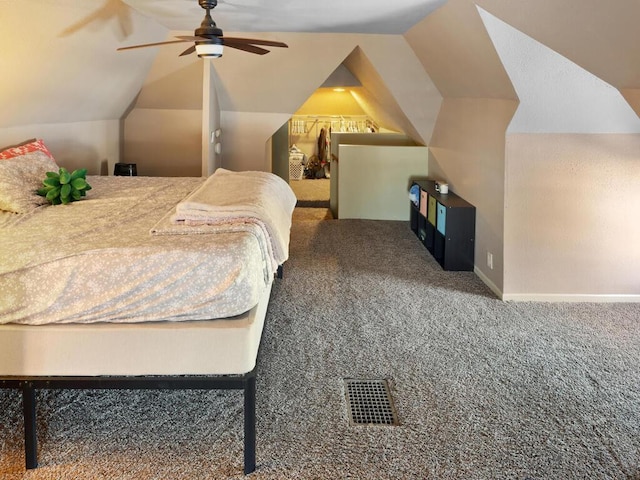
310,190
313,199
311,214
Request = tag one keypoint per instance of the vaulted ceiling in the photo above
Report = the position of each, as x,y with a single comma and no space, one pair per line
59,60
339,16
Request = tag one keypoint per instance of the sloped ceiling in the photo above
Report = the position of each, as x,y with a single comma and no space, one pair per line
59,61
384,64
602,37
556,95
632,95
278,82
337,16
172,84
257,95
455,49
378,100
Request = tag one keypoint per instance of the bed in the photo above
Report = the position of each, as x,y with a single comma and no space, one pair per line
145,283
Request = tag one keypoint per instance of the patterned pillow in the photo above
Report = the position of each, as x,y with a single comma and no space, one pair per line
26,147
21,175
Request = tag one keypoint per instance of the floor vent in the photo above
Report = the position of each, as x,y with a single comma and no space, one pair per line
369,402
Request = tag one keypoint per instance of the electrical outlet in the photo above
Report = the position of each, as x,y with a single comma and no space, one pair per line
490,260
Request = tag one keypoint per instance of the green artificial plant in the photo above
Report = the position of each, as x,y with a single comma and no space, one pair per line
64,187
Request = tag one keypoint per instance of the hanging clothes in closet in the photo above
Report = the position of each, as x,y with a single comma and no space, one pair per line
324,152
322,145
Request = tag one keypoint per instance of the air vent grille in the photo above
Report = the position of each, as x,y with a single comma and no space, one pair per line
369,402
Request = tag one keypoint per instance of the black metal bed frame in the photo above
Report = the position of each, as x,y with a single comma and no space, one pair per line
29,385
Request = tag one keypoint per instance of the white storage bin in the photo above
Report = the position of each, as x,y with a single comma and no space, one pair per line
296,168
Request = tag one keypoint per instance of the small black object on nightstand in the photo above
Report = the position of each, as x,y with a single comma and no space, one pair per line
125,169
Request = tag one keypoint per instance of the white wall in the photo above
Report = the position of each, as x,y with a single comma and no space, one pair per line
211,126
165,143
245,136
601,37
91,145
402,96
467,151
467,145
337,139
572,167
571,217
63,79
374,180
166,129
486,71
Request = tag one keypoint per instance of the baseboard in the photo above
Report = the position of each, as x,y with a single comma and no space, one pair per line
569,297
555,297
488,282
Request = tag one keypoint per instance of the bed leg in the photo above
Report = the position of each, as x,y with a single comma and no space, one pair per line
250,425
280,271
30,438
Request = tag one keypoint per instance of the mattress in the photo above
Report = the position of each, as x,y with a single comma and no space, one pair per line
96,261
213,347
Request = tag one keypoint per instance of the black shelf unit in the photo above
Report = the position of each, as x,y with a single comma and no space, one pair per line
446,225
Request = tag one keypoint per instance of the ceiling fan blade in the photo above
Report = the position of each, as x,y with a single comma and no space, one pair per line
190,38
152,44
188,51
246,47
254,41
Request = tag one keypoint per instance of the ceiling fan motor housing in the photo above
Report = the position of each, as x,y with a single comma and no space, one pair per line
208,4
208,32
208,28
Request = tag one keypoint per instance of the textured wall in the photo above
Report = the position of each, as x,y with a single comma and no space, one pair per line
467,150
467,146
91,145
571,211
163,131
164,142
496,72
569,195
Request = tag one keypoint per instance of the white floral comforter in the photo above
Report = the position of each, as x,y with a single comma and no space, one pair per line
95,260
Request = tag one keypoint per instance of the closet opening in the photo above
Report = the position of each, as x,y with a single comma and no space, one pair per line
329,110
348,119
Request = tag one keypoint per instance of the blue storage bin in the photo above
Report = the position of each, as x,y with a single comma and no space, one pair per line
441,218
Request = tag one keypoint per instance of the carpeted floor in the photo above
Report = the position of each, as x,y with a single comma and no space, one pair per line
311,189
484,389
313,199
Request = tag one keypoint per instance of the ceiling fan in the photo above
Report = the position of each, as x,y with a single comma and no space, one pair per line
209,40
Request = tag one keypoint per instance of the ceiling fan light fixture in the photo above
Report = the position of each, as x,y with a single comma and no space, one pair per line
209,49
